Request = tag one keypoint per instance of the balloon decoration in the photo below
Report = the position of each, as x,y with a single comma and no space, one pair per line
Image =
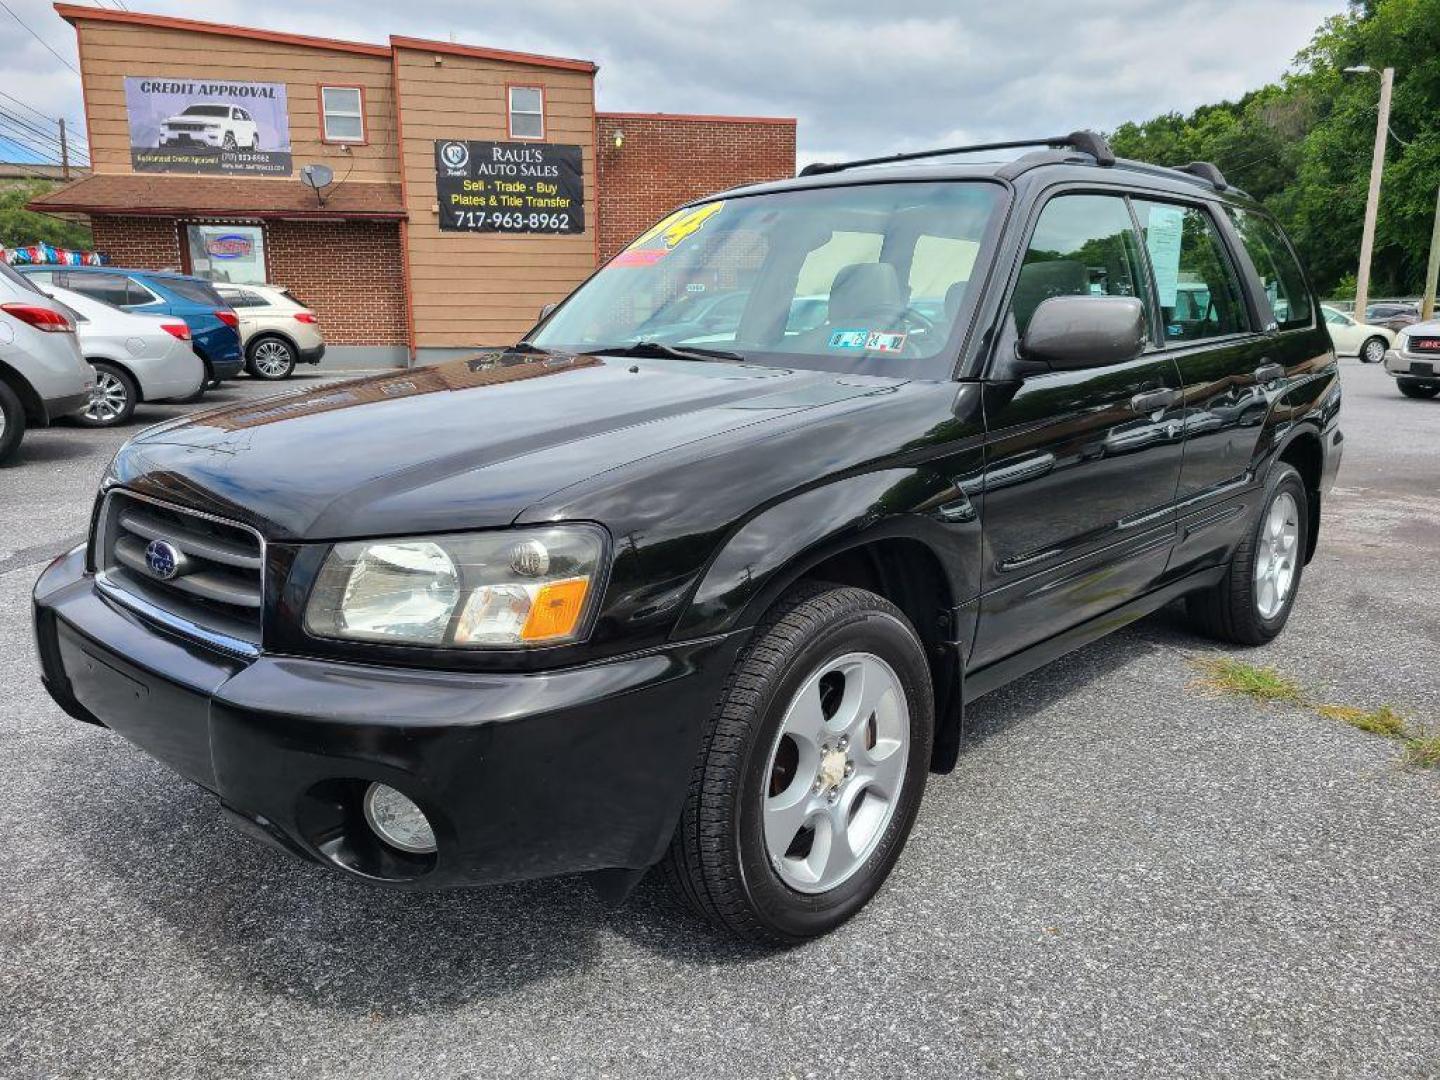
49,255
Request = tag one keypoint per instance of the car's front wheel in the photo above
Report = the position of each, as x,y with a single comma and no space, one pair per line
271,358
114,399
229,142
1411,388
810,771
1373,351
1252,603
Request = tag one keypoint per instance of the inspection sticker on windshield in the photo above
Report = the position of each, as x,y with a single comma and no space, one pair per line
849,339
882,342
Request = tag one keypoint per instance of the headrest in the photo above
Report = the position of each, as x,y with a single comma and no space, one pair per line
954,297
862,289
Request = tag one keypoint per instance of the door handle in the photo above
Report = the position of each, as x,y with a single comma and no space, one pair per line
1269,372
1155,399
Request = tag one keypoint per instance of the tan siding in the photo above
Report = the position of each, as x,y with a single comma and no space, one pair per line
112,51
468,288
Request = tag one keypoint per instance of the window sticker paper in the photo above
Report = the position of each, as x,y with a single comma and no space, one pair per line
1163,235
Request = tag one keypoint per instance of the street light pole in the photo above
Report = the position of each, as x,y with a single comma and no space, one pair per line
1372,199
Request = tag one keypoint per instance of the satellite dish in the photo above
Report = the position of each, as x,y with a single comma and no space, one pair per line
317,176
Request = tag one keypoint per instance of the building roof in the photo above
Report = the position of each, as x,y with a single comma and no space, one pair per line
73,12
148,195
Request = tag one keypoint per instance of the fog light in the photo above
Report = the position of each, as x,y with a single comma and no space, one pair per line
397,820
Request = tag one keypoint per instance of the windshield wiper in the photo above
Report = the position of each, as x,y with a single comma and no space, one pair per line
659,348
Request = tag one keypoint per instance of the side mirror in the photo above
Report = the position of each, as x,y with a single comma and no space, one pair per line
1073,332
545,312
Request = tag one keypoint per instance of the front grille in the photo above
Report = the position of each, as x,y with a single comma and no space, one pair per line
217,586
1425,344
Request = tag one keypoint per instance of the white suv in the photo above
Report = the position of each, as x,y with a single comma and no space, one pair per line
226,126
277,331
42,374
1415,360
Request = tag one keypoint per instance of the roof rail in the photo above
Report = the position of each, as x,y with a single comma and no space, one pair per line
1207,172
1088,142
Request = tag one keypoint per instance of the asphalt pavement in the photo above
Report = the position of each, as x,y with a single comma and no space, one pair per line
1125,875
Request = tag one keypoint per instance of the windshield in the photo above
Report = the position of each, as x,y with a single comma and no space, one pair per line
869,278
207,110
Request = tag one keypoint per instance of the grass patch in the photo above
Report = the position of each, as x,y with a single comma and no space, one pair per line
1423,753
1382,721
1236,677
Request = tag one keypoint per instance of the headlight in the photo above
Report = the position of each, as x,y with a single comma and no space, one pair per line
472,591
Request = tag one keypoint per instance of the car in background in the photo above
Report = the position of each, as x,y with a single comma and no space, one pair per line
213,124
1368,341
214,327
136,358
1415,361
1392,316
42,374
277,331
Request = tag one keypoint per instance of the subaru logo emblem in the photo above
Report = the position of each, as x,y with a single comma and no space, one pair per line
162,560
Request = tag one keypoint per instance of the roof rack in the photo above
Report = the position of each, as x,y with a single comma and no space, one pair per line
1207,172
1088,142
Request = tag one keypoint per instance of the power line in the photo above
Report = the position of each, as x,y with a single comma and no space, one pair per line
52,138
38,38
25,166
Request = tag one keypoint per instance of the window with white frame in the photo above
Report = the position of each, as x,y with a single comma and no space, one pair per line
527,112
344,114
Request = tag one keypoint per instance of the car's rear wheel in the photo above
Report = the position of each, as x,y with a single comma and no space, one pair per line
1411,388
271,358
113,402
811,769
1373,351
1252,603
12,421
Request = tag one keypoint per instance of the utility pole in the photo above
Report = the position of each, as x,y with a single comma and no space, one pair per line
1432,272
1372,200
64,152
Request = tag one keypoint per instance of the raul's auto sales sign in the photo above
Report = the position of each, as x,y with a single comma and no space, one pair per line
208,126
509,187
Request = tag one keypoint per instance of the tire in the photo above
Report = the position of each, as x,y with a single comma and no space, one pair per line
1411,388
1237,610
271,358
1372,350
811,645
229,143
12,422
113,403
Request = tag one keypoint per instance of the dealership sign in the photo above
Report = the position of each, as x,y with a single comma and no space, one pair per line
509,187
206,126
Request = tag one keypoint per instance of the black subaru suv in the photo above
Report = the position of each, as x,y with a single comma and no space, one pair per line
712,595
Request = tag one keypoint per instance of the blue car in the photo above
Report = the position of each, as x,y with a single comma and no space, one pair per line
214,326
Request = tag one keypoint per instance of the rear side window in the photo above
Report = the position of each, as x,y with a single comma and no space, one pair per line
109,289
1084,245
1278,269
197,292
1195,281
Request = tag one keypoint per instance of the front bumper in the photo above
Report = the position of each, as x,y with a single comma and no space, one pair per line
521,775
1423,368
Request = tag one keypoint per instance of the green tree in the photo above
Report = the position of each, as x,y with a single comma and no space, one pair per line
19,227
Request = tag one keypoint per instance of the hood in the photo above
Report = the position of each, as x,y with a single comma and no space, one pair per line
466,444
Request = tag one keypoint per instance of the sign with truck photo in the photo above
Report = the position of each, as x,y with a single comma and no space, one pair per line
208,126
509,187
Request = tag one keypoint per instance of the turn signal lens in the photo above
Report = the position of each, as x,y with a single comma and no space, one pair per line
556,610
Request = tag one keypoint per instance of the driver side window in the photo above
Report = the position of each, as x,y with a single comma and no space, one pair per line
1083,245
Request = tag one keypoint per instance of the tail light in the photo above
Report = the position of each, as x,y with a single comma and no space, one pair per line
228,317
177,329
43,319
306,317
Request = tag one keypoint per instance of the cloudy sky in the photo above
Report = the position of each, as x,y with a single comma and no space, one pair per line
862,77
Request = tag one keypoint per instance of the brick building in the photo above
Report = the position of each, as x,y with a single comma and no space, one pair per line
423,197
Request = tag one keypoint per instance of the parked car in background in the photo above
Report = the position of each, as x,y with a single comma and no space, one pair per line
1368,341
136,358
42,374
1392,316
277,331
214,327
1415,360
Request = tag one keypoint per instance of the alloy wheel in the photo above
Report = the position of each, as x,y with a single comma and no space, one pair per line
108,400
272,359
835,772
1374,351
1276,555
